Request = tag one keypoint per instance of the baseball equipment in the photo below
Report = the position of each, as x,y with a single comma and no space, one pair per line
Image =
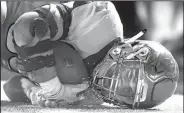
13,10
140,74
93,60
91,31
68,64
42,21
48,17
38,51
37,25
69,68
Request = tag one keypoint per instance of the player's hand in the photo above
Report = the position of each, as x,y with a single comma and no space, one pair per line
66,95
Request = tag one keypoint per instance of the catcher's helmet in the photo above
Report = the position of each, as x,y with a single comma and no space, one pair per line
139,75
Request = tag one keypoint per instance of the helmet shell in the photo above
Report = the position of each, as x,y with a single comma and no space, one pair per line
157,67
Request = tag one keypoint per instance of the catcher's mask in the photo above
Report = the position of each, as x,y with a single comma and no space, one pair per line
136,75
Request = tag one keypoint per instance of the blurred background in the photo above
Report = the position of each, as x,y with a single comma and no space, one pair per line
163,19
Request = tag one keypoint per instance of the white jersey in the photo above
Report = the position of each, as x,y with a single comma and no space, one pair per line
93,26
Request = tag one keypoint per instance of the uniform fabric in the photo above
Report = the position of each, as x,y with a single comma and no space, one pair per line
93,26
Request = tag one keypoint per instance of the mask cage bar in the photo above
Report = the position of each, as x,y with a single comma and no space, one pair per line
108,89
140,82
140,87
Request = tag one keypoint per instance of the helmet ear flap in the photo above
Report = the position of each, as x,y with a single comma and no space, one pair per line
38,27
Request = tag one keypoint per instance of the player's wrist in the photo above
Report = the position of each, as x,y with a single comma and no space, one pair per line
51,86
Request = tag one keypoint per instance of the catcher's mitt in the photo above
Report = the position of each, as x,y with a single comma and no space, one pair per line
138,75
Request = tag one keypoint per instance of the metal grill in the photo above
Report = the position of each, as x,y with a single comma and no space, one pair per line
115,79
